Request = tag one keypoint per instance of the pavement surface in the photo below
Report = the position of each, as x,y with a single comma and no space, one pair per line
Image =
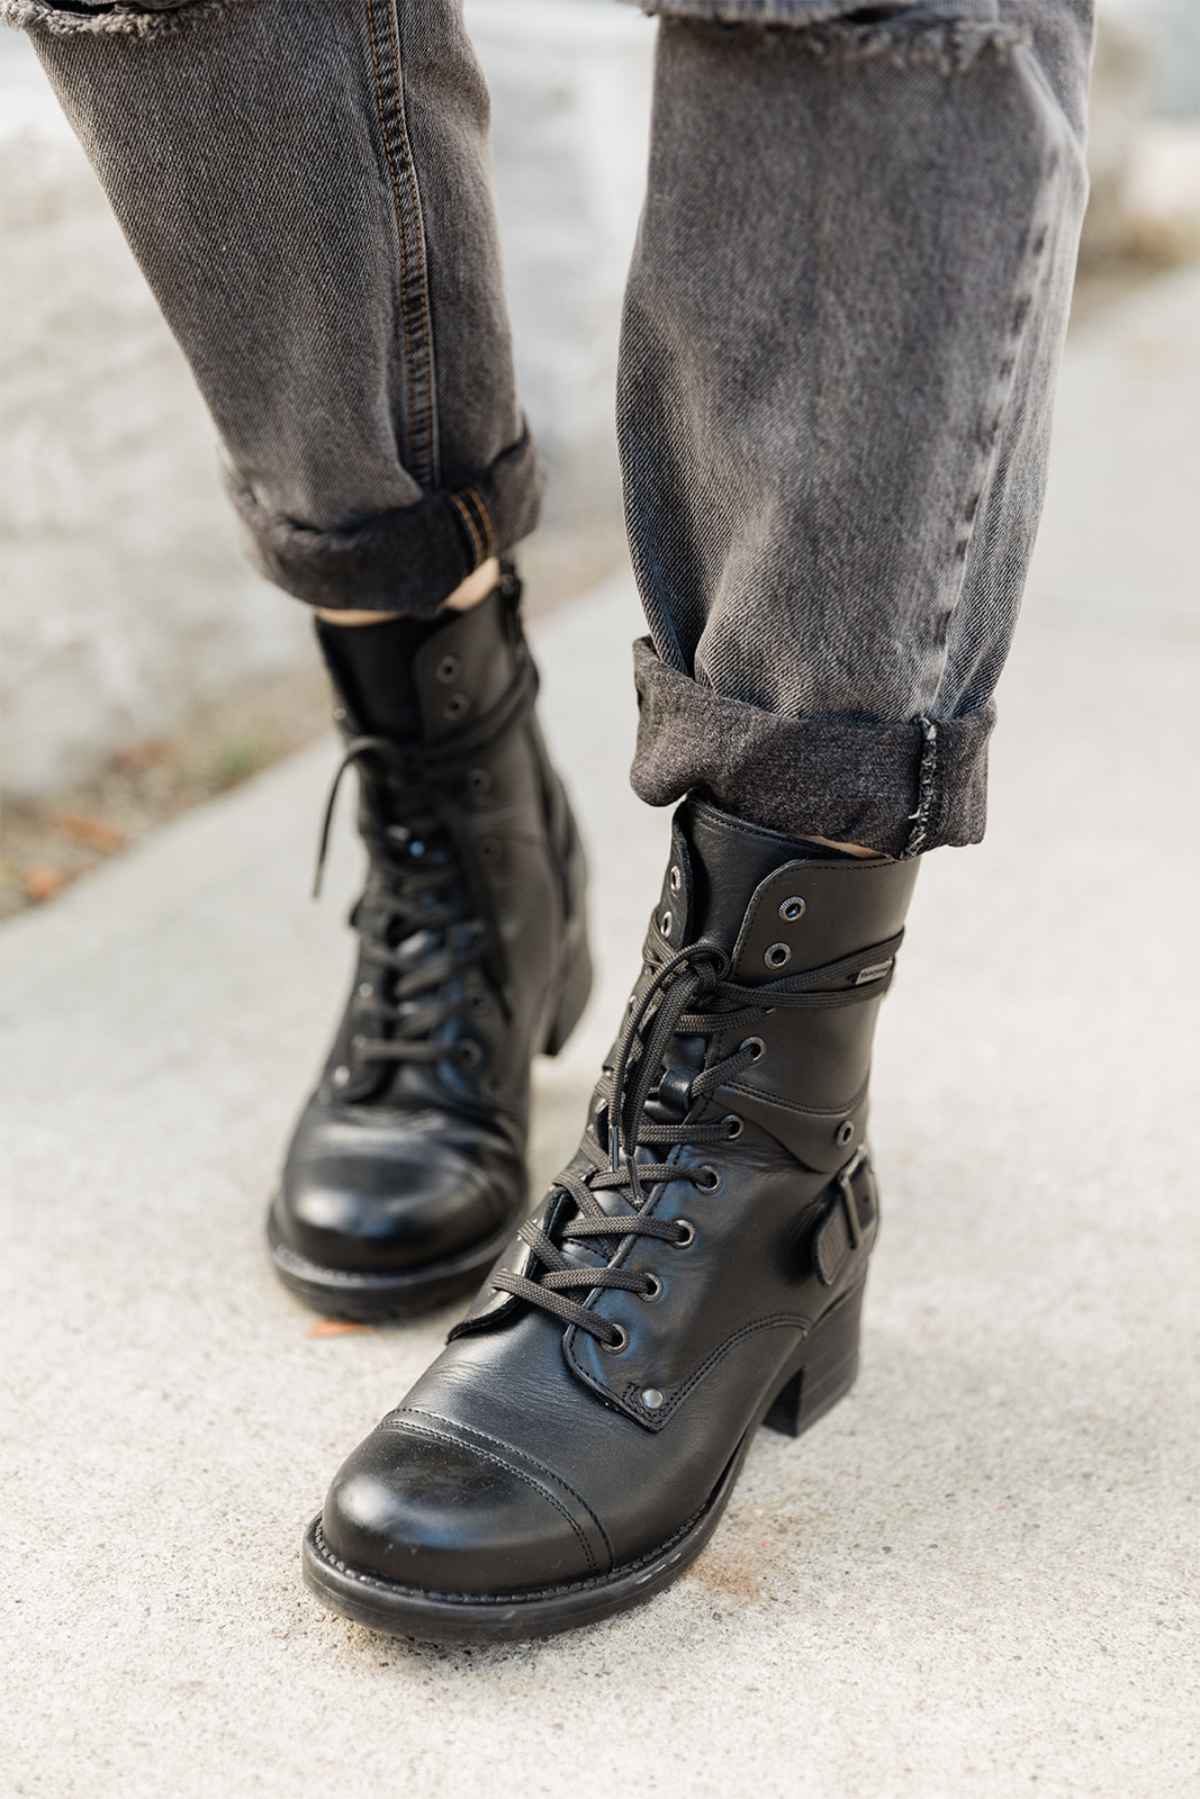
977,1577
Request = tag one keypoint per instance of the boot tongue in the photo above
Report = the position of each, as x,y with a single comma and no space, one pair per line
727,860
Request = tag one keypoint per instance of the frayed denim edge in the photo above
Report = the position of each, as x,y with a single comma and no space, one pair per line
950,48
40,15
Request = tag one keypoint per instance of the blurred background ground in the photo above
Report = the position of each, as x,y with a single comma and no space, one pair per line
143,667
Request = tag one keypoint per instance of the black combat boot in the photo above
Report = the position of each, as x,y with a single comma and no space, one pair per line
697,1271
406,1172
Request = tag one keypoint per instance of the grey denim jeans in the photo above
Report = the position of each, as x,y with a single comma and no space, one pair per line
842,328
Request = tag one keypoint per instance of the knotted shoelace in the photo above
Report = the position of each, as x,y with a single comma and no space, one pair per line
666,1010
427,874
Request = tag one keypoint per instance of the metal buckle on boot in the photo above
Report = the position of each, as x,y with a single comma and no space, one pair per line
845,1181
841,1231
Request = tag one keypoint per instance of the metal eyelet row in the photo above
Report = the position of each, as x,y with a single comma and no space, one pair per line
791,910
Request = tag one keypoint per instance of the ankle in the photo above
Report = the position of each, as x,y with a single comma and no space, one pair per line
845,849
468,593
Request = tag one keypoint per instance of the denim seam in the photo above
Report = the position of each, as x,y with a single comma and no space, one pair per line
986,440
42,15
474,542
486,521
472,509
420,454
927,776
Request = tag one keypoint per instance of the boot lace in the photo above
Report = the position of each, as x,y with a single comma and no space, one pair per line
428,874
668,1008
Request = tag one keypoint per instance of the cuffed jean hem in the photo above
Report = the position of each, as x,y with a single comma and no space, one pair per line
152,18
948,35
407,560
898,788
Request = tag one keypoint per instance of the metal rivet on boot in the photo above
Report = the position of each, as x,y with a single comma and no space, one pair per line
652,1399
792,909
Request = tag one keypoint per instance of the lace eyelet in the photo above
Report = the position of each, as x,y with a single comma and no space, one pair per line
777,955
712,1180
666,924
792,909
733,1127
467,1053
365,990
756,1046
480,782
653,1291
844,1133
620,1341
447,669
687,1233
675,881
341,1076
455,706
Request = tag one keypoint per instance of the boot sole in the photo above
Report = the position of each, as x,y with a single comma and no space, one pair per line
822,1372
365,1297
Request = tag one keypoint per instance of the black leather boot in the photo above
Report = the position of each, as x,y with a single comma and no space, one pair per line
406,1171
697,1271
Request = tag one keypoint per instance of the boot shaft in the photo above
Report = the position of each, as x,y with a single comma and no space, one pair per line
780,910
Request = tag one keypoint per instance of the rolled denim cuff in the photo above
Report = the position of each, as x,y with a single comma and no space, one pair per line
148,18
945,34
897,787
407,560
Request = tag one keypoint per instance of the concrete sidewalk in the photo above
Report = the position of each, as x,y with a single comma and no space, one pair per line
978,1577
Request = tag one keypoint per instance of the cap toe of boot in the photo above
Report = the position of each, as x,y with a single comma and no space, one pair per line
417,1506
